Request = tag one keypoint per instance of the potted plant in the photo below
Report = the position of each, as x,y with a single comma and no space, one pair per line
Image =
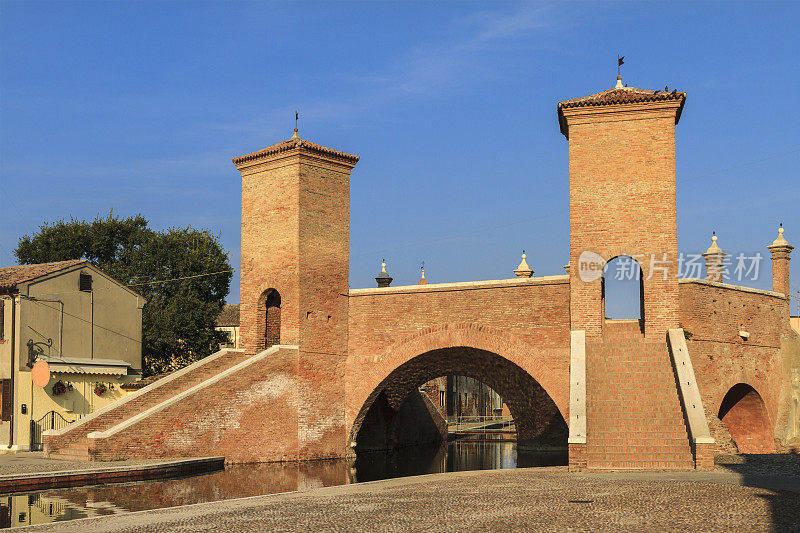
59,388
100,388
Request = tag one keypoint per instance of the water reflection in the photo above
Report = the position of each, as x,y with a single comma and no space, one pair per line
238,481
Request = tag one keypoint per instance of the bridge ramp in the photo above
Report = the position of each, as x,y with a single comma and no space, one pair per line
635,419
71,443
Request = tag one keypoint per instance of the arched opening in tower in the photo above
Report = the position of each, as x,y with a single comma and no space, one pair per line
413,404
744,414
272,317
623,290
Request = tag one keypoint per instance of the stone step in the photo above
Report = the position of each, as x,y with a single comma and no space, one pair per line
642,465
65,455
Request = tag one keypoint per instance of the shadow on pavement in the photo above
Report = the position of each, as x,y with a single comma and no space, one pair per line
779,477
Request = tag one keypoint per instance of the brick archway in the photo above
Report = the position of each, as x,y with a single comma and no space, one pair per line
744,414
515,369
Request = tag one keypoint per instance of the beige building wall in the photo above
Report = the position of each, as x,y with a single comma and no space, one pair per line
105,323
64,322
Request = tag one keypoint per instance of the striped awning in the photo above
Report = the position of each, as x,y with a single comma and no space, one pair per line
109,367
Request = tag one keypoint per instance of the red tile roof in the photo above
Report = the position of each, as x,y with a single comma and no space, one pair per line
229,317
13,275
616,96
290,144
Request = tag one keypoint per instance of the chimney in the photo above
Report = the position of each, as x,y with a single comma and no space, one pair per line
780,250
383,279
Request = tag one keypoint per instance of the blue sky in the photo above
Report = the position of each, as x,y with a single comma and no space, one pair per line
140,106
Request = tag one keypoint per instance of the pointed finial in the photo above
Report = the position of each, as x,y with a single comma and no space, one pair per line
296,118
422,280
781,240
523,270
383,279
714,249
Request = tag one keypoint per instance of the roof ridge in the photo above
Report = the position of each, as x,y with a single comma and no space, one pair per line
290,144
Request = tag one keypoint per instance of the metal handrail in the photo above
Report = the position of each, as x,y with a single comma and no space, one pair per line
477,422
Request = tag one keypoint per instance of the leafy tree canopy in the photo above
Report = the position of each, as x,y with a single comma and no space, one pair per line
179,317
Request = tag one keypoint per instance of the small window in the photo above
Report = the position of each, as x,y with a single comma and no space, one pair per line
85,282
6,401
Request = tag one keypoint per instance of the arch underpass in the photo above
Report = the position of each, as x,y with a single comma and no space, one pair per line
538,419
744,414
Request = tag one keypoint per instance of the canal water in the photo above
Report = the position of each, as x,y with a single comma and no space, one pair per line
239,481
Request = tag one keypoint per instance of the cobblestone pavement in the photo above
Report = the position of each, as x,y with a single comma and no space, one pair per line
35,462
535,499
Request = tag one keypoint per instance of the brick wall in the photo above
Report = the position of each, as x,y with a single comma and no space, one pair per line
714,313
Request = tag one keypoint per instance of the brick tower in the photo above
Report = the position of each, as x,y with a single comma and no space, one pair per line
622,198
622,203
295,268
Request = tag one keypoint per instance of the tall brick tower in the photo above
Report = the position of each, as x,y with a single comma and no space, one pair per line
295,267
622,198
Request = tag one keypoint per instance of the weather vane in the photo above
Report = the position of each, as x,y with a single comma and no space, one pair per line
620,62
296,116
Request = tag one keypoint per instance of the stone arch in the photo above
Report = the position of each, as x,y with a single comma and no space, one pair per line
269,318
457,349
744,414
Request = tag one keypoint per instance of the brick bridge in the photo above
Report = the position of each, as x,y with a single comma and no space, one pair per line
328,369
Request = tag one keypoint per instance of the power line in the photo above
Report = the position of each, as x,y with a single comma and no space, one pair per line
181,278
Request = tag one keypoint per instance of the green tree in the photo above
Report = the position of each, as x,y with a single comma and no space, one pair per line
169,268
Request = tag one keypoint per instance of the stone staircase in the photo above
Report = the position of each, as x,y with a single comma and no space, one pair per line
71,443
634,415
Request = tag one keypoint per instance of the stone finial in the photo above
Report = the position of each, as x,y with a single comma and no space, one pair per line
523,270
422,280
383,279
715,259
714,248
781,240
619,83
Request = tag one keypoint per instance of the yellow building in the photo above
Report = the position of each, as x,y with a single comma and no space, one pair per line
228,321
84,324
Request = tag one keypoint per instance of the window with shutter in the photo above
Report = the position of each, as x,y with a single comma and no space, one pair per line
85,282
7,401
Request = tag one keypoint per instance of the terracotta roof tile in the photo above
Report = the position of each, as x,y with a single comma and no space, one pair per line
290,144
13,275
617,96
229,317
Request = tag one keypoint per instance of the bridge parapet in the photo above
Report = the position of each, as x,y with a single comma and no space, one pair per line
689,392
